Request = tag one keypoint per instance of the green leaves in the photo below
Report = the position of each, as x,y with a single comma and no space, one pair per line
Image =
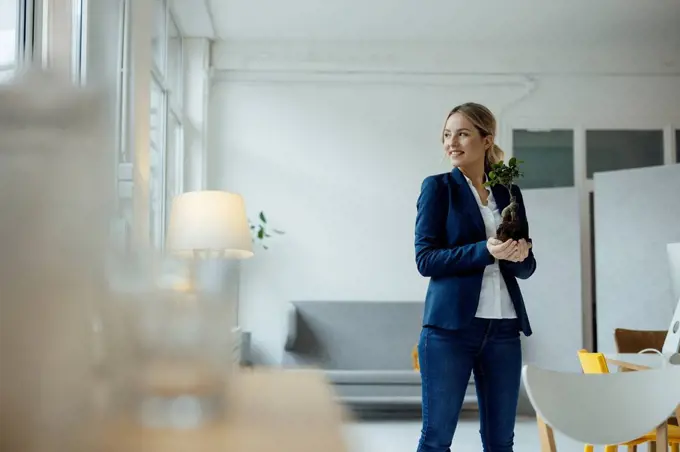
503,174
260,231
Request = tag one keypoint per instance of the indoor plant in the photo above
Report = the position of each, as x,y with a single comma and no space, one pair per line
261,231
506,175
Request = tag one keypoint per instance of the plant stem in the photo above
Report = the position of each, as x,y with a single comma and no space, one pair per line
512,206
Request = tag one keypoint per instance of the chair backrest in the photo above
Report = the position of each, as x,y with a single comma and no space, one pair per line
593,363
634,341
603,408
672,341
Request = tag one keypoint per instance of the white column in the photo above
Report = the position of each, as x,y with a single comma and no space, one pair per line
196,92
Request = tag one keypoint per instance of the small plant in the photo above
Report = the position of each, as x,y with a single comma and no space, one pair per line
506,175
261,231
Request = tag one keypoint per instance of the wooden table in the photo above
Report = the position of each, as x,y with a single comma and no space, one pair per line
636,361
272,411
632,361
644,361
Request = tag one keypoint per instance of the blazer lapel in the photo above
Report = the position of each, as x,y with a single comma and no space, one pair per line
501,196
470,202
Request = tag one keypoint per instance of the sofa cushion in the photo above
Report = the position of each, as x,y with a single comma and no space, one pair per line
353,335
373,377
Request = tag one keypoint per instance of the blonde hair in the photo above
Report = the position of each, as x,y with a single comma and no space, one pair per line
485,123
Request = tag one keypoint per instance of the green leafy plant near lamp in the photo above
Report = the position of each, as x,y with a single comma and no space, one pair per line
506,175
261,232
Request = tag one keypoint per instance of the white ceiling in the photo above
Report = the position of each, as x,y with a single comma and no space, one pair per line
455,21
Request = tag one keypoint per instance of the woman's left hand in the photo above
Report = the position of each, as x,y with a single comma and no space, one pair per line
522,251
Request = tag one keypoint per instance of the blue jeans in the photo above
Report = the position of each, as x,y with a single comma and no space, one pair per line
492,350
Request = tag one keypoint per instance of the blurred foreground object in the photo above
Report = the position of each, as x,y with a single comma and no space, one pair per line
169,357
96,354
55,168
180,335
269,411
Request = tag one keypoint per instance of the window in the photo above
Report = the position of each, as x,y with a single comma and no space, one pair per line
156,161
9,20
175,62
174,173
548,157
610,150
78,38
159,34
167,132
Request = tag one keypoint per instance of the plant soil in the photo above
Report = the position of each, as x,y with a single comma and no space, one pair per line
510,229
511,226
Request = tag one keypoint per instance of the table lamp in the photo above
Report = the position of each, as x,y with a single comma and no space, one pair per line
208,224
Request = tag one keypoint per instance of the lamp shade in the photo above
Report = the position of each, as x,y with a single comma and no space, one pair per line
209,220
674,264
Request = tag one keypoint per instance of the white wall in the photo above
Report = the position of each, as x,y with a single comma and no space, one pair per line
336,158
637,213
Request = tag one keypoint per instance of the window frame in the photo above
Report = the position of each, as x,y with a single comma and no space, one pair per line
79,40
585,186
22,39
172,106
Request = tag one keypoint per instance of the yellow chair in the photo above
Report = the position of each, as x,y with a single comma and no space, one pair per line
414,356
596,363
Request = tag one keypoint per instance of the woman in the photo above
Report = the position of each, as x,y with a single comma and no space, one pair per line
474,309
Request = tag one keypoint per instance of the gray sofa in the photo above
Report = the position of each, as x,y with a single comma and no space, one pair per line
364,348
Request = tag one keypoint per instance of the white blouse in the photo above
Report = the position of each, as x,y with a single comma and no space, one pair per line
494,299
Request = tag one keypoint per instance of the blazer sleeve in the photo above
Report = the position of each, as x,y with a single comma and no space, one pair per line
433,257
526,268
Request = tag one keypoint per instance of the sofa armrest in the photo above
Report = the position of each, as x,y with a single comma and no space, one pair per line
291,327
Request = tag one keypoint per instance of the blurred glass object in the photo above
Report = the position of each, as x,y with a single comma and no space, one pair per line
172,346
611,150
56,200
548,157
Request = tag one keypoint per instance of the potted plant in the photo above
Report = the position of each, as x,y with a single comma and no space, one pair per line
261,231
506,175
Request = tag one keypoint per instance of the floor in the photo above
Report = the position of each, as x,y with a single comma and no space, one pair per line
402,436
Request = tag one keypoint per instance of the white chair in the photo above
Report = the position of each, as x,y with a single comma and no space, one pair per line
603,408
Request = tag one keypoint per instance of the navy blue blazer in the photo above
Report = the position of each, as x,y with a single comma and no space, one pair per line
450,241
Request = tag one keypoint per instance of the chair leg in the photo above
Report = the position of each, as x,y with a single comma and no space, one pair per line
588,448
611,448
652,446
675,447
546,436
632,448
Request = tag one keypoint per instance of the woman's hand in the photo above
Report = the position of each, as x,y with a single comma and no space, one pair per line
510,250
523,250
501,250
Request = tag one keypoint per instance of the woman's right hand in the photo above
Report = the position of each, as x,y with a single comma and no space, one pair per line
501,250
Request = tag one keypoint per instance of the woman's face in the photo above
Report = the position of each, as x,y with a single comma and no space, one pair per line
463,144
